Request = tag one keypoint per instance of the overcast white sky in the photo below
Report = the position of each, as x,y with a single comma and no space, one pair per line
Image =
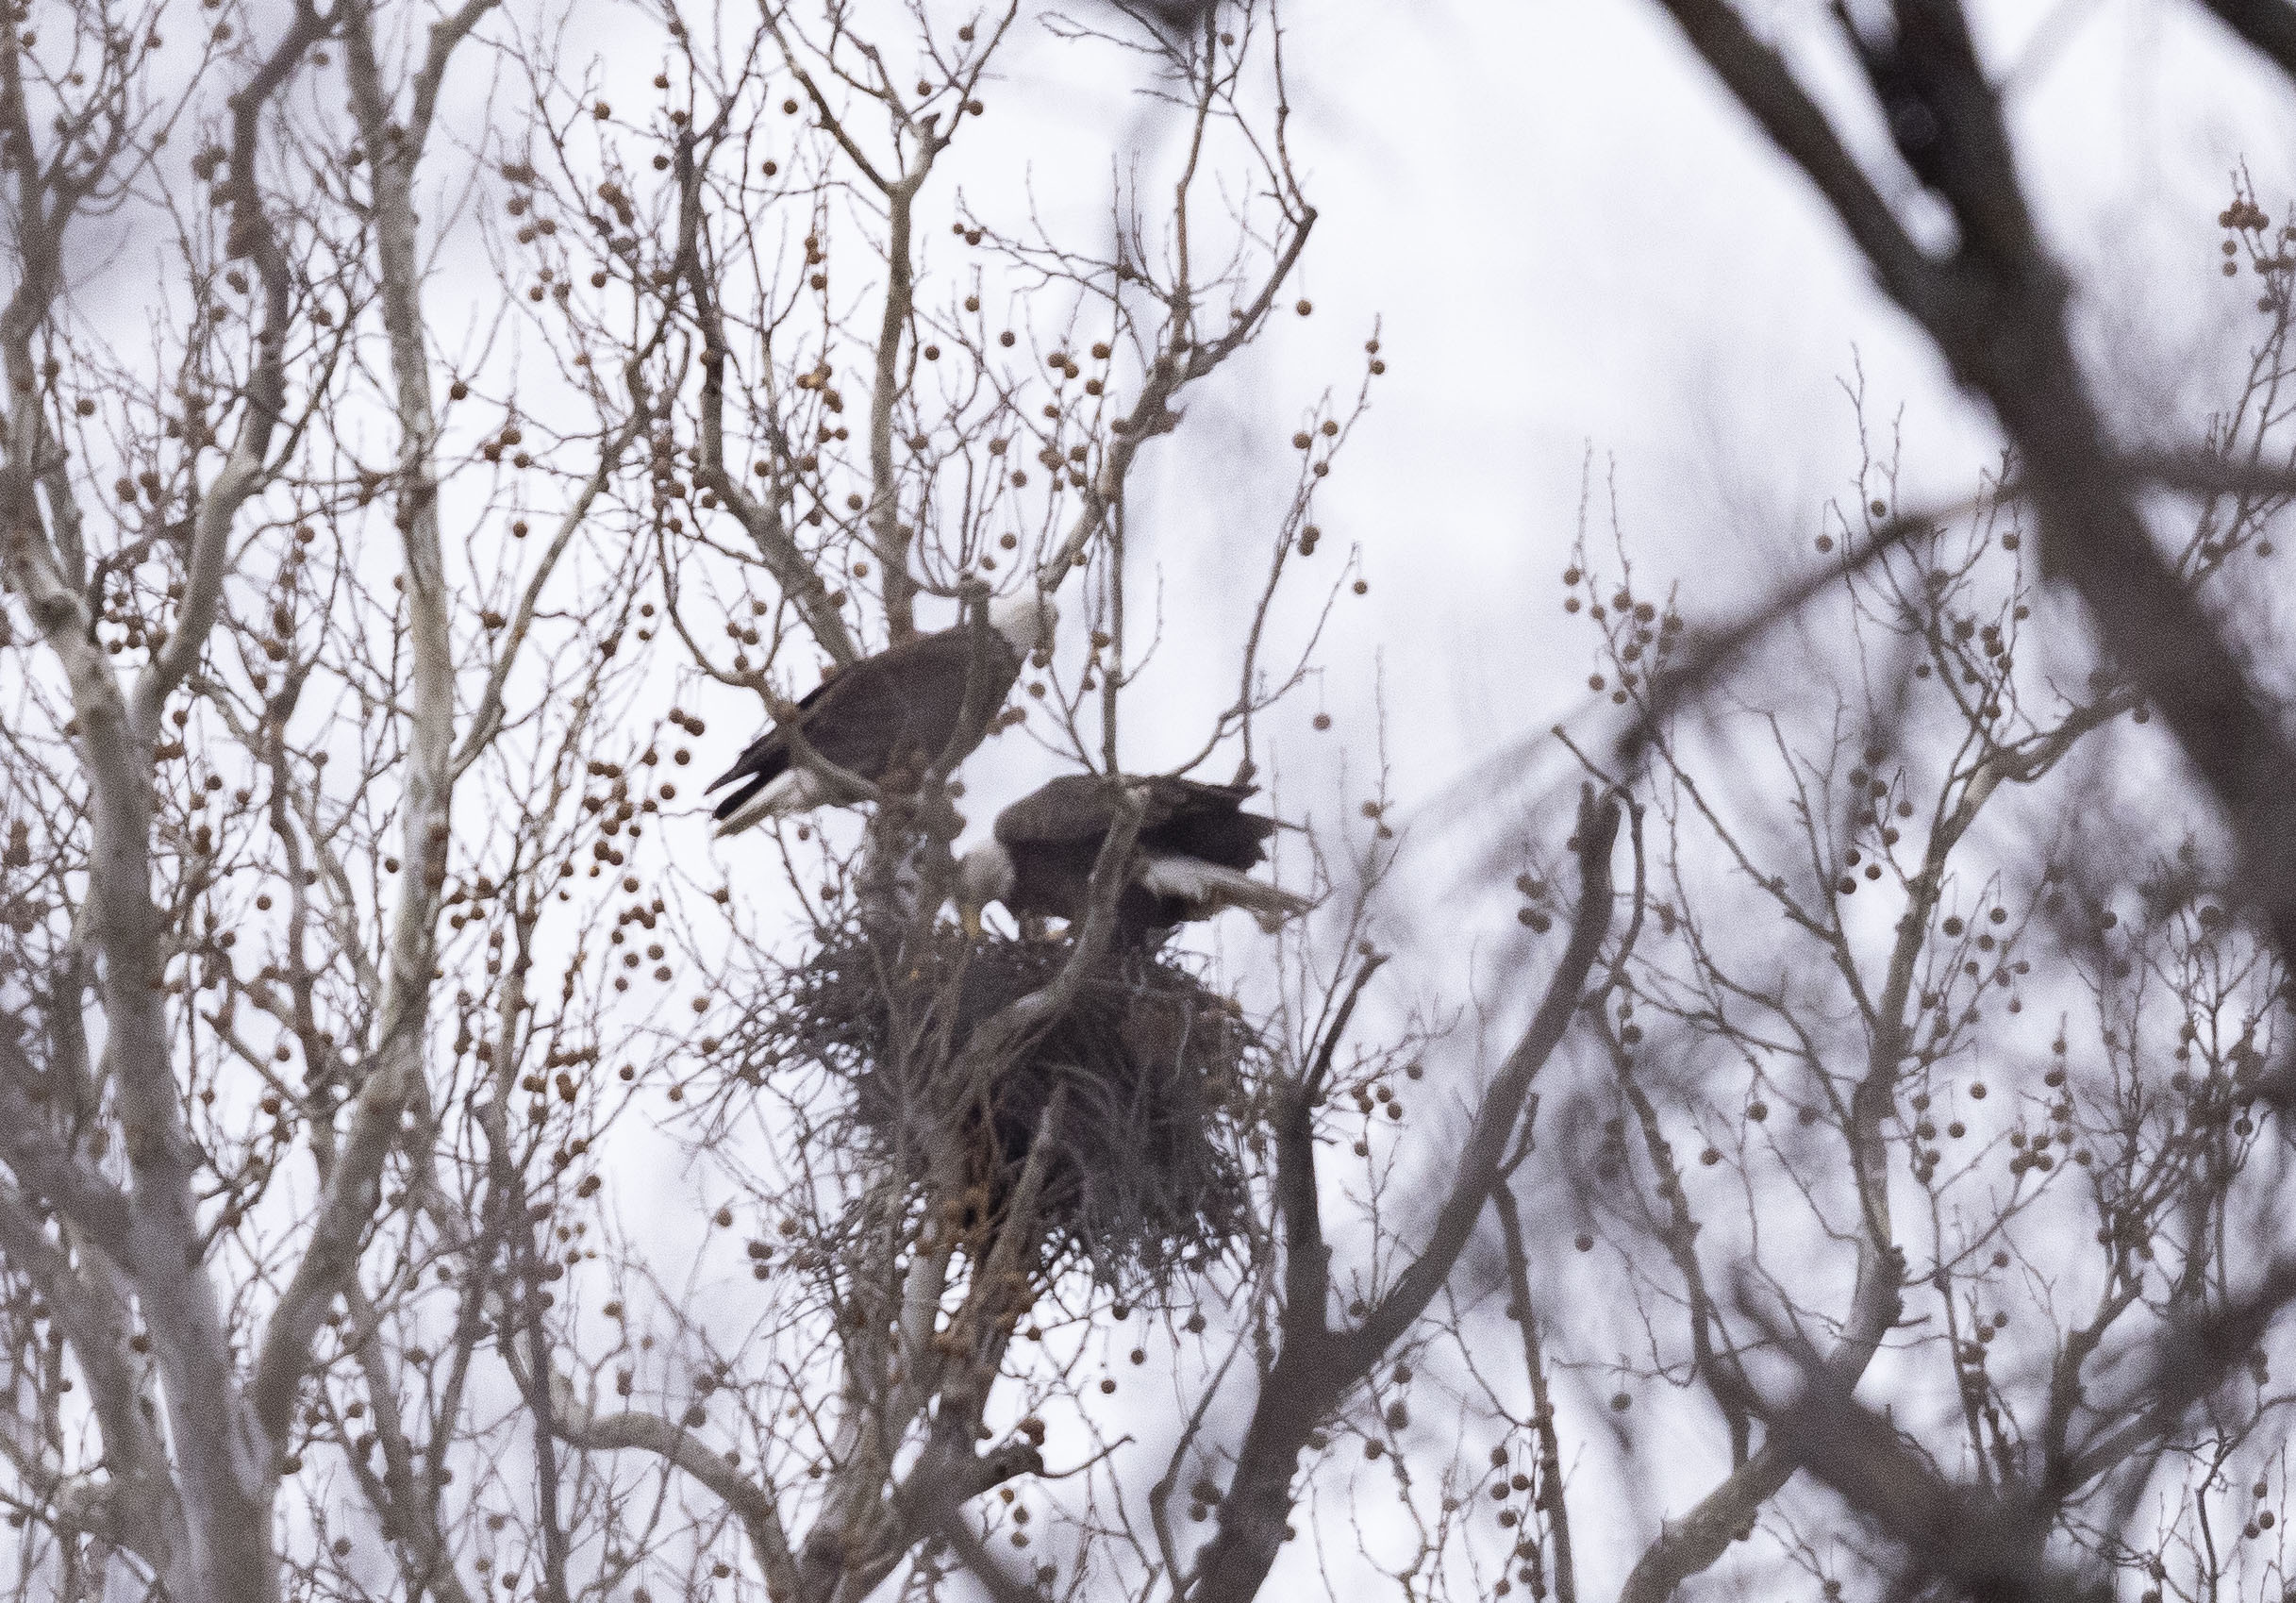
1578,250
1576,246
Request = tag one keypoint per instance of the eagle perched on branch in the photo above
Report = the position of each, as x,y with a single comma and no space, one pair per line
893,712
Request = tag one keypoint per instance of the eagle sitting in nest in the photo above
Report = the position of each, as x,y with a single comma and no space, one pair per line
1190,861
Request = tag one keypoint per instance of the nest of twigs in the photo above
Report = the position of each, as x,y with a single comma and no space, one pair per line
1137,1094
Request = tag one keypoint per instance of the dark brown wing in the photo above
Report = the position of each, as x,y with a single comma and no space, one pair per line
1055,832
1182,817
1064,811
899,706
1190,818
765,757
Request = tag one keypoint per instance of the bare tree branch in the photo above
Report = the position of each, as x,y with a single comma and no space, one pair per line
1317,1365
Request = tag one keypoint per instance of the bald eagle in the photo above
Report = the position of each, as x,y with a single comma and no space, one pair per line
893,711
1190,859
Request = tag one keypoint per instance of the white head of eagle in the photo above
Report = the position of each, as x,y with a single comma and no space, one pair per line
1026,620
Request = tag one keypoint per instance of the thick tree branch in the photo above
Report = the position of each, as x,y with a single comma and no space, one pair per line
150,1514
1996,312
1314,1371
1477,1167
2267,25
1306,1255
631,1429
1766,87
223,1466
891,536
347,1205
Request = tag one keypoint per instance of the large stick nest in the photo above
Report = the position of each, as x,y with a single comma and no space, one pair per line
1141,1087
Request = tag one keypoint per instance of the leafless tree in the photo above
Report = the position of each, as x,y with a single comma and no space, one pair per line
2091,1459
248,1117
1877,1083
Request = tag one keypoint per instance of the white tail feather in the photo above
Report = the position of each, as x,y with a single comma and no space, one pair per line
1200,881
794,790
